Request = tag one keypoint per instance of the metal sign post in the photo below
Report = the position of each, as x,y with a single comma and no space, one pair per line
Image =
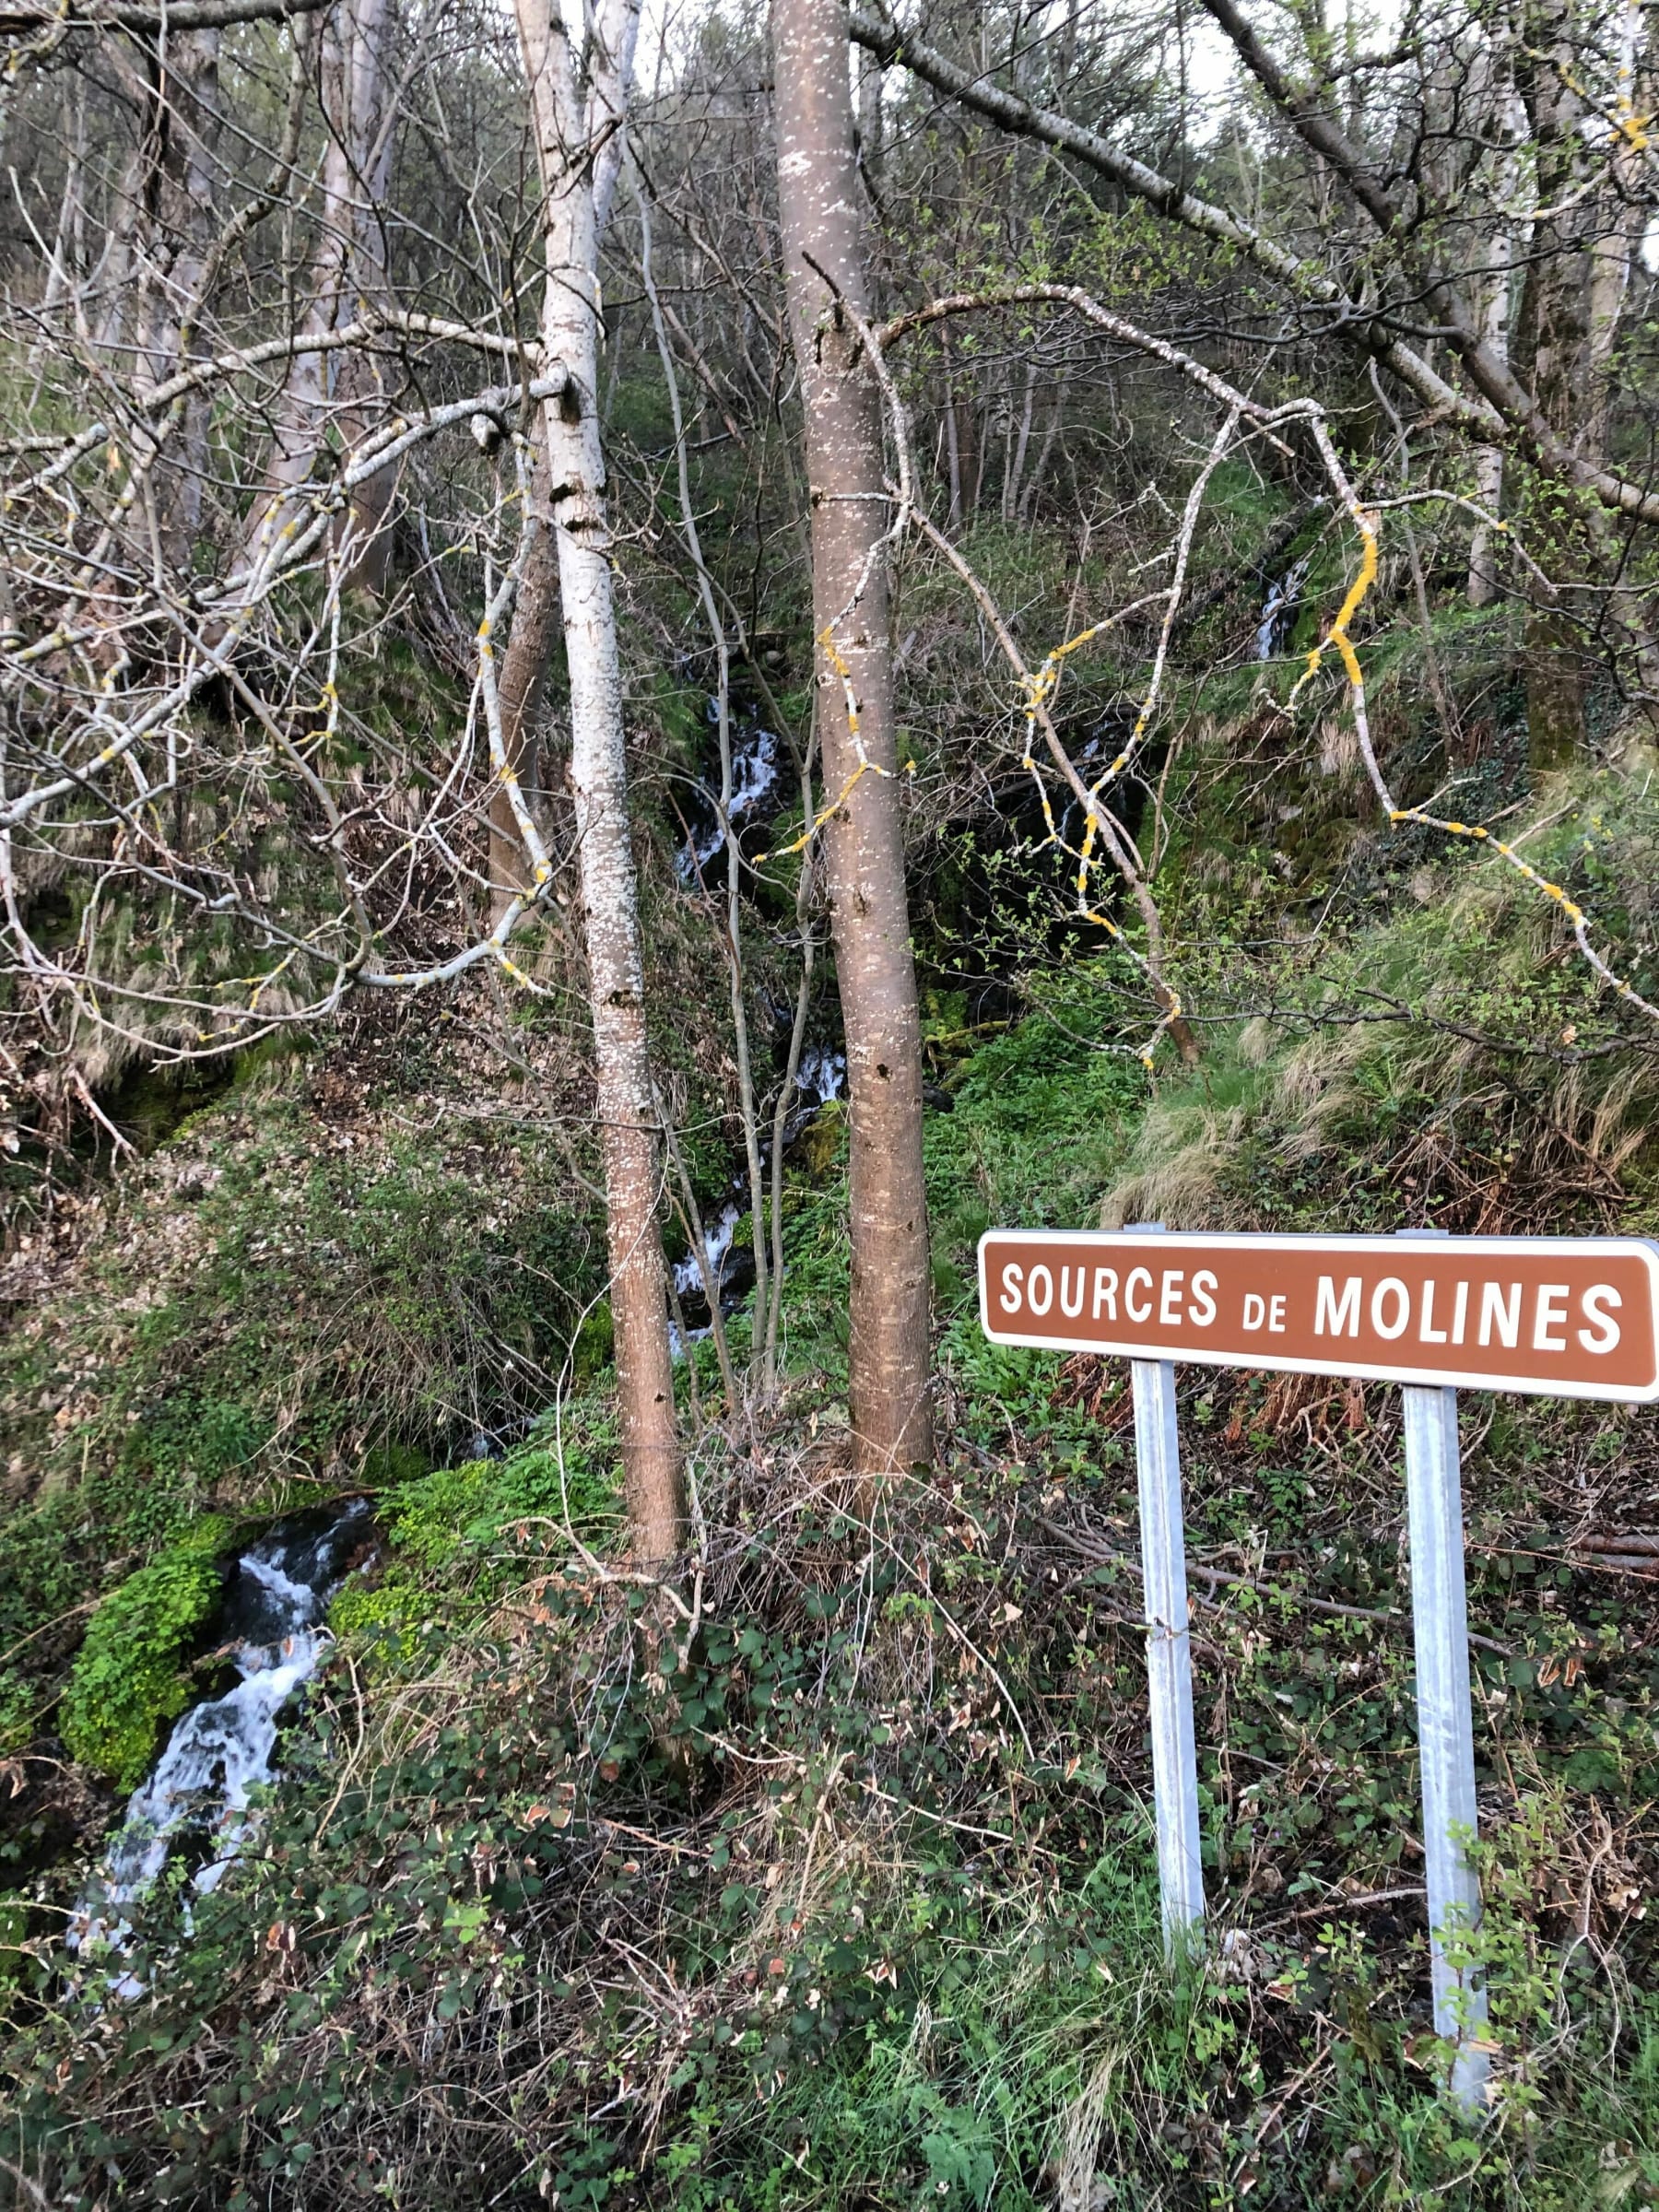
1168,1649
1445,1723
1563,1316
1440,1627
1169,1645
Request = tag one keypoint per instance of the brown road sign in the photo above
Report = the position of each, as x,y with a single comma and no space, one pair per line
1572,1317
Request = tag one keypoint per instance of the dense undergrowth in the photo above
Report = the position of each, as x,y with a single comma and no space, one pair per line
824,1879
846,1897
830,1883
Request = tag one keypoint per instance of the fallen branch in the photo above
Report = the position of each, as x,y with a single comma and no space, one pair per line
126,15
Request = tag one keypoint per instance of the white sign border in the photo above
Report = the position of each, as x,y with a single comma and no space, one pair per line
1167,1241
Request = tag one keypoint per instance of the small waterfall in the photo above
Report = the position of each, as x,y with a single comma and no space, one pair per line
1278,613
220,1750
754,775
822,1074
820,1077
688,1275
717,1242
754,771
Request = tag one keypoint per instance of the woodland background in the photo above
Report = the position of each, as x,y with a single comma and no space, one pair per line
727,1787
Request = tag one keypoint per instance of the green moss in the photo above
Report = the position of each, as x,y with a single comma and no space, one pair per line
387,1464
129,1679
457,1536
593,1343
262,1305
382,1615
466,1507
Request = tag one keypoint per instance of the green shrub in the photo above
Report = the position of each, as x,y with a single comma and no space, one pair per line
17,1709
128,1679
14,1926
467,1506
378,1610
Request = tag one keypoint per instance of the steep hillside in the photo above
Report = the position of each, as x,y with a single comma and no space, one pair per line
828,1880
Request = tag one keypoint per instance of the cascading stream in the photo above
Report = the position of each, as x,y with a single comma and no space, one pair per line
1279,615
754,777
222,1749
821,1075
820,1078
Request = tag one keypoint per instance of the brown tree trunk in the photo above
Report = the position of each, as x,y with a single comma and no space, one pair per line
892,1423
580,106
1554,341
973,422
1555,733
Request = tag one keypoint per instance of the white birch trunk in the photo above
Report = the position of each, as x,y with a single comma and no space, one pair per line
1494,312
579,109
1492,302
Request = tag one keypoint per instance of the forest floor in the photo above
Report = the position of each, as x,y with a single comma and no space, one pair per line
825,1878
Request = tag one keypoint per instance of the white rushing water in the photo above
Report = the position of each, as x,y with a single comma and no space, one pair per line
754,774
820,1077
1279,613
688,1274
822,1073
717,1242
221,1750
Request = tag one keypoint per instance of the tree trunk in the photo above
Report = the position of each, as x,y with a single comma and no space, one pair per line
165,225
1011,501
892,1423
524,678
1622,218
580,108
1482,554
1039,476
953,450
869,138
1555,347
1491,299
348,268
535,623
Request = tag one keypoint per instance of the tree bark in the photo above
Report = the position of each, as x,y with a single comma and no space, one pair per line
165,224
887,1361
354,72
1555,347
1491,290
1622,217
1011,499
579,109
953,450
534,622
524,679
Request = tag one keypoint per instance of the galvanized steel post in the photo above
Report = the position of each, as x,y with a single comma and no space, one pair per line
1445,1723
1168,1649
